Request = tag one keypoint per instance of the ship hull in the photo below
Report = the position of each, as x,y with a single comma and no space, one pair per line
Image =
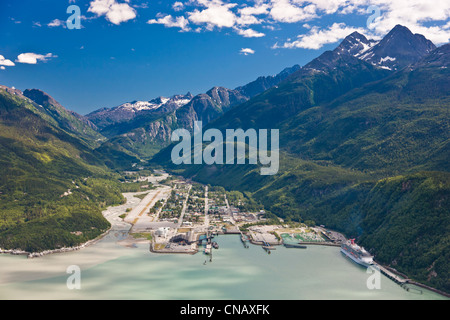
354,259
296,246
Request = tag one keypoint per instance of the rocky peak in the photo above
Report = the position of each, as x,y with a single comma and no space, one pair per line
355,44
398,49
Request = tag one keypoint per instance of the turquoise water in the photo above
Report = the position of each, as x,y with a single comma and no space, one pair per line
109,271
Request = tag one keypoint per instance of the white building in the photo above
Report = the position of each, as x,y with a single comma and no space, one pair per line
162,232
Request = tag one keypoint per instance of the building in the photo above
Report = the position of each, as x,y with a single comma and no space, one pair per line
162,232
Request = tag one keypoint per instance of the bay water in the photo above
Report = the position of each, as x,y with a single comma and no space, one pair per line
111,271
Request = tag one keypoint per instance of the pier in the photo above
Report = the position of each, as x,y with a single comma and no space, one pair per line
268,247
295,246
391,275
244,240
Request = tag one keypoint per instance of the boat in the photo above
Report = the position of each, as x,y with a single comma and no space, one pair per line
295,245
208,249
356,253
244,241
267,246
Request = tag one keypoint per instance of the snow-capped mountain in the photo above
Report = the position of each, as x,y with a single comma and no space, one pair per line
128,111
356,45
137,106
175,101
210,104
396,50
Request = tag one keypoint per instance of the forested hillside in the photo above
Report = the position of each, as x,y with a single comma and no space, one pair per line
372,162
52,185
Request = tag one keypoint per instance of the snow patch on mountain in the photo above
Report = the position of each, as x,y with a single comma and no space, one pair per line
138,106
382,60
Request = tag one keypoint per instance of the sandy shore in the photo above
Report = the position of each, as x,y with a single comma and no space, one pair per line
55,262
112,214
131,242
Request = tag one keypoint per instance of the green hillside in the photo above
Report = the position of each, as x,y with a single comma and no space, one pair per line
304,89
52,186
390,126
67,120
407,220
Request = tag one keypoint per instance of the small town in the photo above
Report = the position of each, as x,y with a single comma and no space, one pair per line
178,216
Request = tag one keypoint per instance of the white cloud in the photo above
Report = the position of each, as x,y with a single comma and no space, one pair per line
246,20
33,58
414,14
57,23
2,68
178,6
143,5
317,38
247,51
428,17
333,6
115,12
259,9
285,11
217,14
250,33
247,14
425,17
6,62
171,22
15,21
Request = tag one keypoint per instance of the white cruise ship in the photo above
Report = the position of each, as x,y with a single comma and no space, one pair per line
357,253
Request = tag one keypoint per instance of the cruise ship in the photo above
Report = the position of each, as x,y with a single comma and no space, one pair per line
357,253
208,248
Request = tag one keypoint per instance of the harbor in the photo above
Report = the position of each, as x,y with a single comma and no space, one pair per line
198,232
189,217
320,272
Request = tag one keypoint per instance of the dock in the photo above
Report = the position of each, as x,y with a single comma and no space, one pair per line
268,247
244,240
295,246
391,275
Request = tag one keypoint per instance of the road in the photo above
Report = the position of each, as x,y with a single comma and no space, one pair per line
229,210
183,211
206,208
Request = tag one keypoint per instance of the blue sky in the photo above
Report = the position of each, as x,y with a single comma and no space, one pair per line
138,50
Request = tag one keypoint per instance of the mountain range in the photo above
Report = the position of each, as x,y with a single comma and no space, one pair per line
364,137
143,128
365,149
399,48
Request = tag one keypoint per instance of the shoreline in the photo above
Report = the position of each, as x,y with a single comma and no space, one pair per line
128,243
424,286
33,255
194,252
